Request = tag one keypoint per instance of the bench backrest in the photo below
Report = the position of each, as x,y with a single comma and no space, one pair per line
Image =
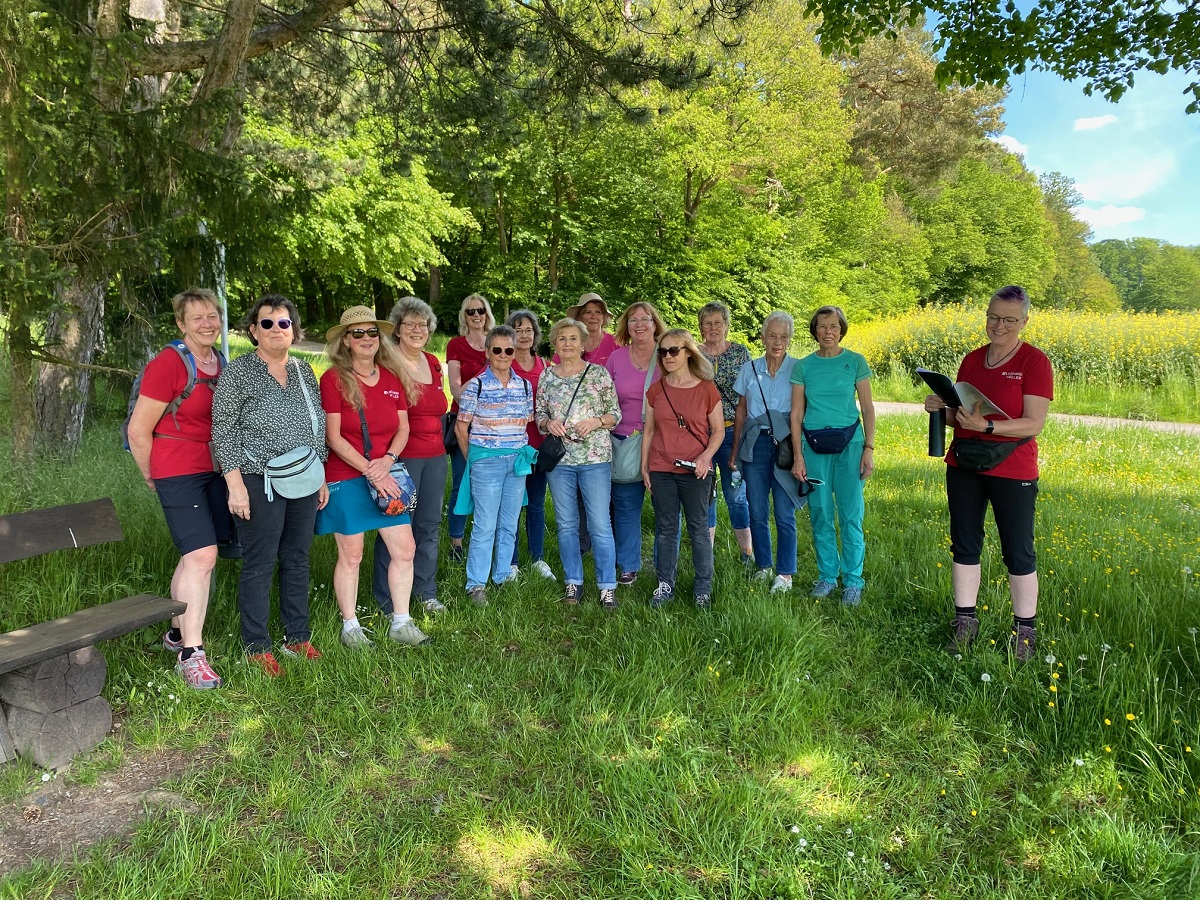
39,531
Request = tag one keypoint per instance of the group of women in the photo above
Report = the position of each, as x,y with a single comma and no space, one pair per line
613,416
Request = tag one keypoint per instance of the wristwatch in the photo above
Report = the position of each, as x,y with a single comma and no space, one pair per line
396,458
990,428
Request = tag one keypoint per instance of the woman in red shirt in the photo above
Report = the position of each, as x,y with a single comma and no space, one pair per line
684,424
1018,379
465,358
424,454
365,394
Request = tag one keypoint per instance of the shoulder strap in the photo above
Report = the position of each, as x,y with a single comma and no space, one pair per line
362,420
678,418
189,365
575,393
758,379
312,413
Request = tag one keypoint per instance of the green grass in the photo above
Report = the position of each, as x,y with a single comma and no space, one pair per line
1176,400
535,750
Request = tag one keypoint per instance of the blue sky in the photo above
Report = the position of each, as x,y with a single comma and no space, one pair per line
1136,162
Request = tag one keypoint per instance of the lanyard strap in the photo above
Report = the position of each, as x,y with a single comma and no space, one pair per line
680,419
312,413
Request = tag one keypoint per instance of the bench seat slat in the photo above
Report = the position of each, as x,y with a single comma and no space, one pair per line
39,531
26,646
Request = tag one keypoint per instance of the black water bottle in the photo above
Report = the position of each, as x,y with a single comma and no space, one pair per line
937,433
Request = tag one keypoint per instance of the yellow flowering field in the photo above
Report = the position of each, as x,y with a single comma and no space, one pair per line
1123,348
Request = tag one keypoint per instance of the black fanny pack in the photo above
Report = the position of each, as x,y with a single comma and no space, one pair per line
978,455
830,440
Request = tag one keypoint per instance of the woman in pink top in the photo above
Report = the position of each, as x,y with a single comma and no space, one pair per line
530,366
593,312
632,369
465,358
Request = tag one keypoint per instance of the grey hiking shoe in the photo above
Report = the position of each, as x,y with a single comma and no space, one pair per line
431,605
822,588
409,634
966,629
1023,643
851,596
703,601
478,596
356,638
663,594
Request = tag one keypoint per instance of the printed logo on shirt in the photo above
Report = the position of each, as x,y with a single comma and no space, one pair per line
1013,376
393,395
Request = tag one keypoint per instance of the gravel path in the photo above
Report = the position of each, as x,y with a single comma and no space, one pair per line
1101,421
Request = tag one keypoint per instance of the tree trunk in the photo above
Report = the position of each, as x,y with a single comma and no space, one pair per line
312,295
435,285
555,234
74,331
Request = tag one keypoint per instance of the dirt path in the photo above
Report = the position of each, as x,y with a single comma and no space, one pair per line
1098,421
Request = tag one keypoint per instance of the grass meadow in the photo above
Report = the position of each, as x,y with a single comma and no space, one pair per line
776,747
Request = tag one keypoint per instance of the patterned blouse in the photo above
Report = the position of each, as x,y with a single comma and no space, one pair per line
728,364
597,397
255,418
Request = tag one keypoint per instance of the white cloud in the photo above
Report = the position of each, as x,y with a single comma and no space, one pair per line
1091,123
1011,144
1123,179
1110,216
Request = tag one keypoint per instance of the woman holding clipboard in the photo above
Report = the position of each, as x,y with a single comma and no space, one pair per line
994,460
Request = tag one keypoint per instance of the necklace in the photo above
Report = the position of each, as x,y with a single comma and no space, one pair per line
643,366
370,374
999,362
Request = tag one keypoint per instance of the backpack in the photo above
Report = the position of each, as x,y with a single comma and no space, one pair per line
189,363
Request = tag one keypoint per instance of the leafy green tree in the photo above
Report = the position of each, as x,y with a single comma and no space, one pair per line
1077,282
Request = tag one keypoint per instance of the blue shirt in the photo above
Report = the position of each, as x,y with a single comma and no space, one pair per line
498,414
777,388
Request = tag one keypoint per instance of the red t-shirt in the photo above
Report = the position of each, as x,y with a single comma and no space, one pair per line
180,445
425,417
381,404
470,361
670,441
533,376
1028,372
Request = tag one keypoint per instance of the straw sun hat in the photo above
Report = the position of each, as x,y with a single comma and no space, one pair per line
357,315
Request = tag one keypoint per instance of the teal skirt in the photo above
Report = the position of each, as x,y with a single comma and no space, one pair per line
351,510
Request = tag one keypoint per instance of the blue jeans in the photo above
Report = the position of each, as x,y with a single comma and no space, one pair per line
593,482
535,518
735,497
627,501
497,492
457,524
761,487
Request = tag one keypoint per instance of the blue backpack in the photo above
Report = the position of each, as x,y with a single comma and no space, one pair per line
189,363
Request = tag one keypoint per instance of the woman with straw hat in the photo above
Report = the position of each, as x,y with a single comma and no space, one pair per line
365,394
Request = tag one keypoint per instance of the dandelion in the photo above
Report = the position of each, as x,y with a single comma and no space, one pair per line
1082,658
985,677
1050,659
1192,631
1104,648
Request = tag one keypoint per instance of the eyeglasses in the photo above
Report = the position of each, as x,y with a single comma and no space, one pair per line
359,333
415,326
268,324
1007,320
663,352
641,321
476,312
507,351
525,331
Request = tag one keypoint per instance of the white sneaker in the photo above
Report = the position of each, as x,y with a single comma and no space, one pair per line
782,584
762,575
356,638
542,568
514,573
410,634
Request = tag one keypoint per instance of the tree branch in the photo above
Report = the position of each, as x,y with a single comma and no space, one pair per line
158,59
40,353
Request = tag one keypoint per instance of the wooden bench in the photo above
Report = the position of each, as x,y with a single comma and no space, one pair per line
51,674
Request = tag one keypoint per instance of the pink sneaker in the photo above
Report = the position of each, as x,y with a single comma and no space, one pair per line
196,671
171,645
301,650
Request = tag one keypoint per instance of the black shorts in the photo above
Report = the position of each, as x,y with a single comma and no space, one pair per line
1013,502
197,510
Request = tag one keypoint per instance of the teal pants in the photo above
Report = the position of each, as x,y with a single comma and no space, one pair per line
842,493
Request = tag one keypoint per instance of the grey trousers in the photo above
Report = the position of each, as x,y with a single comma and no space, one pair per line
429,474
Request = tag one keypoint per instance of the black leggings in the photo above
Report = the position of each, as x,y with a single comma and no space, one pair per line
1013,502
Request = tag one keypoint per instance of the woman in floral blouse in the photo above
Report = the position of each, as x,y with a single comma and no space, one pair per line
577,401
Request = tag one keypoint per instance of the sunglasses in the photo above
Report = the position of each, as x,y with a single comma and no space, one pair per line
664,352
475,312
359,333
284,324
507,351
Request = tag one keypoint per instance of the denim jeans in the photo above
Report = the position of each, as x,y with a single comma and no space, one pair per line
627,501
279,531
761,488
535,518
669,493
429,475
735,497
457,524
497,492
593,482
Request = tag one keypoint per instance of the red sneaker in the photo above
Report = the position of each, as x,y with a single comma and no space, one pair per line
301,650
268,663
